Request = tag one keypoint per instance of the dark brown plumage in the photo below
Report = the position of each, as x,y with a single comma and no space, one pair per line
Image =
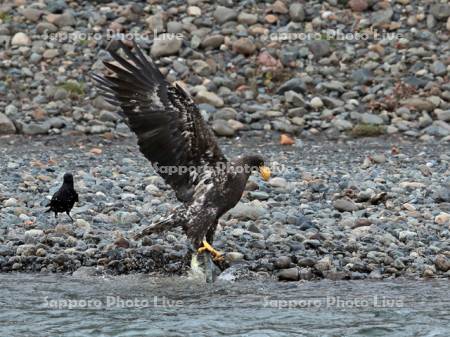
172,134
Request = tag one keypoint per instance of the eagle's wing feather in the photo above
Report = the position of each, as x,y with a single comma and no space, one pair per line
169,126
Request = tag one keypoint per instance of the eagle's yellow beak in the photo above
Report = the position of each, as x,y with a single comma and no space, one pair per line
265,172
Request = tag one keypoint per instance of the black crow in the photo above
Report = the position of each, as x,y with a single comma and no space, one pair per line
64,198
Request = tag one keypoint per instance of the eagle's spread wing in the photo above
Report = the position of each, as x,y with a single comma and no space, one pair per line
170,129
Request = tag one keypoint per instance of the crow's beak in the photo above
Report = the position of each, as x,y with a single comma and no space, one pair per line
265,172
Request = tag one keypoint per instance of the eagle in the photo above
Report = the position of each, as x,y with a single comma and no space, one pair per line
182,149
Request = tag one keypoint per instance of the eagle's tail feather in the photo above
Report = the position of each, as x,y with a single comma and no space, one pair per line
172,221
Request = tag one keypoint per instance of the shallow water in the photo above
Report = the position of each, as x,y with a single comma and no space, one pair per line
57,305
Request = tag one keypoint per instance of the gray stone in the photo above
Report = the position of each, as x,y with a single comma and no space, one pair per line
247,211
221,128
290,274
282,262
320,48
438,68
224,14
440,11
297,12
204,96
442,194
109,116
225,113
165,45
362,76
35,128
247,18
442,263
295,84
438,128
11,110
6,125
201,67
368,118
443,115
62,20
345,205
213,41
156,23
20,39
381,17
31,14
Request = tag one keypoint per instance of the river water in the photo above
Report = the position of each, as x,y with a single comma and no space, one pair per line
139,305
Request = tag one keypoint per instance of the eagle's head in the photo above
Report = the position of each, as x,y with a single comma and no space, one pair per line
256,162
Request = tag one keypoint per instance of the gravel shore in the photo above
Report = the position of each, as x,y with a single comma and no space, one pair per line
321,73
359,208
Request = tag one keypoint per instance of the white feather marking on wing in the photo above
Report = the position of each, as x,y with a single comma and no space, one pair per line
154,98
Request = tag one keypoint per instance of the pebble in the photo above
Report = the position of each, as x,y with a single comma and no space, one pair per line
290,274
6,125
208,97
165,45
345,205
20,39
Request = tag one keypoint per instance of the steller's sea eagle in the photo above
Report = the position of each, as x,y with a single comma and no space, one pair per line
174,137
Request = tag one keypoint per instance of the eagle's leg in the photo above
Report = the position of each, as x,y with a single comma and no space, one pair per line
217,256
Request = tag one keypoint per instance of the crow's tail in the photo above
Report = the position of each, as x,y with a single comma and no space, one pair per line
48,210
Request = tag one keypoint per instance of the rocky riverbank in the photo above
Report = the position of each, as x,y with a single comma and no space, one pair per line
349,209
332,67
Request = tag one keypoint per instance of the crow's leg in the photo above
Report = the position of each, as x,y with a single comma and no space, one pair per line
68,213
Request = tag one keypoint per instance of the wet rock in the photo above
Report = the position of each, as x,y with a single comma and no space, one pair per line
87,272
442,263
234,256
26,250
282,262
290,274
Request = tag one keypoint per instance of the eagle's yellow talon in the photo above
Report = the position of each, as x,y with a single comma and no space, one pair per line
217,256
